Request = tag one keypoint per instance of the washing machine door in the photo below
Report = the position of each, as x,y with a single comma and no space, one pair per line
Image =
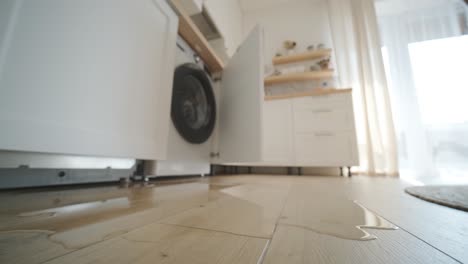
193,109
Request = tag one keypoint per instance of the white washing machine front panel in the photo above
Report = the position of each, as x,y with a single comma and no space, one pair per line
184,158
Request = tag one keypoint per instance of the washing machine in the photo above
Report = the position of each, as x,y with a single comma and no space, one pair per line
193,117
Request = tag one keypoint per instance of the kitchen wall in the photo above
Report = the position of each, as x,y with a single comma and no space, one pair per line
305,21
227,14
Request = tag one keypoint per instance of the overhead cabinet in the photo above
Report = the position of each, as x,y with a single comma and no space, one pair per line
86,77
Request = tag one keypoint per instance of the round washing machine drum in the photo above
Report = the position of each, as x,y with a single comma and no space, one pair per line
193,109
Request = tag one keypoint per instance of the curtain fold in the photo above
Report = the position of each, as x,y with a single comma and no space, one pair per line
357,48
403,22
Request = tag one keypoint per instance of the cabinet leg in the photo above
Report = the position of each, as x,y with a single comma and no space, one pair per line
299,171
349,171
249,170
341,171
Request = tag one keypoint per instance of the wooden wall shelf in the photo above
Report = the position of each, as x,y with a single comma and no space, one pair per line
193,36
298,77
311,55
316,92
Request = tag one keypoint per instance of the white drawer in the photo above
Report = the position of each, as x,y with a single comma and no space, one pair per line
326,149
341,100
324,118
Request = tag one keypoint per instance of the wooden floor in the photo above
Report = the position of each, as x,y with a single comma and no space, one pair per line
230,219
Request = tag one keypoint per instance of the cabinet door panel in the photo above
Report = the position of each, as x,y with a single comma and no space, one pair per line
241,111
278,133
87,77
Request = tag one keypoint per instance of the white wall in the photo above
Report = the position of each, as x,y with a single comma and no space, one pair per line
303,21
227,15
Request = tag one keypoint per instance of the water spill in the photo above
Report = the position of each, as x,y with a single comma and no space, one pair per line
221,186
115,203
77,217
333,215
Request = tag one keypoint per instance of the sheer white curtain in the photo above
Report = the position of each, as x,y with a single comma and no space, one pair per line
359,63
421,108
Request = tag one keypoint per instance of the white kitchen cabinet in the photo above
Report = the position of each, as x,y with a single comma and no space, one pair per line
240,126
311,131
86,77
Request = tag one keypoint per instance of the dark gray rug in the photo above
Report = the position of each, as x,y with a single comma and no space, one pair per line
451,196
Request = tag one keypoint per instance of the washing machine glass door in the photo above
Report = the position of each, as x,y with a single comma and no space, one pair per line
193,109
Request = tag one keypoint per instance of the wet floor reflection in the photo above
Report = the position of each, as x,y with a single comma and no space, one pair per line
332,214
79,216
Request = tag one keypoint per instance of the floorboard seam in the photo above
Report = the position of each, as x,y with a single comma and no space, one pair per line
267,246
417,237
118,236
215,230
264,252
422,240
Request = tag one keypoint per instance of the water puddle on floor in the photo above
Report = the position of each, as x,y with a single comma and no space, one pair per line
373,221
75,217
335,216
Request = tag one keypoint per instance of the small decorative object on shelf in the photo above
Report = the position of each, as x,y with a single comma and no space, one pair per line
324,85
324,64
315,67
268,70
299,73
289,46
276,73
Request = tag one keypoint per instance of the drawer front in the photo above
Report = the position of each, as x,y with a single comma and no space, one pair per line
341,100
326,149
316,119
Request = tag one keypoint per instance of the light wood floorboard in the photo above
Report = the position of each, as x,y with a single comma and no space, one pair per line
228,219
442,227
295,245
158,243
248,209
28,247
